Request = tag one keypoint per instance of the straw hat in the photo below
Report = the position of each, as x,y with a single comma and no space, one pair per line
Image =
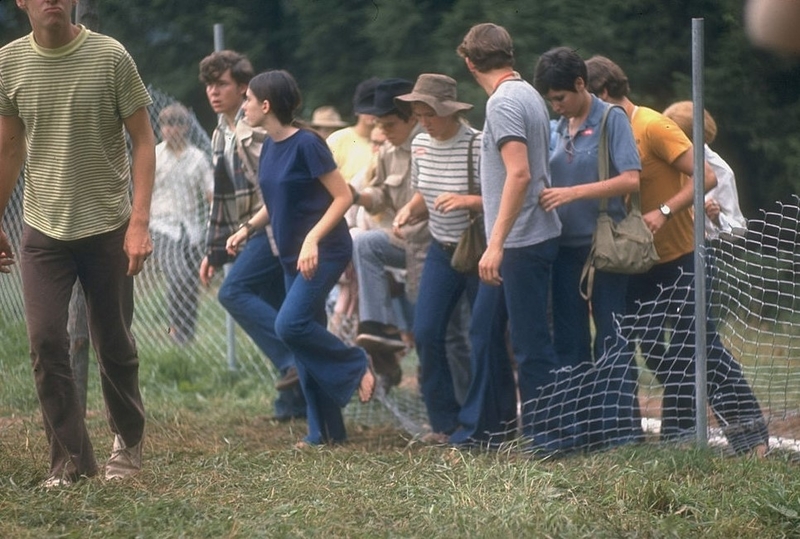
682,114
326,116
436,91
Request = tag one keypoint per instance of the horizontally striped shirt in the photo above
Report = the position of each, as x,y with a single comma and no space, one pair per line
441,167
72,101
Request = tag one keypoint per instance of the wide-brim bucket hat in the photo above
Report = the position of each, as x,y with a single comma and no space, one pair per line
435,90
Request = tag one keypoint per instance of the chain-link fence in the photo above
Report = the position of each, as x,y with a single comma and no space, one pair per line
754,302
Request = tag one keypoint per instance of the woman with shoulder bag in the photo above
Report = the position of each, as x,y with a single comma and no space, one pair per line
443,173
561,77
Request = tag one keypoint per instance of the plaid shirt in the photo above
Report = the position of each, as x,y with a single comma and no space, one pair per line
235,199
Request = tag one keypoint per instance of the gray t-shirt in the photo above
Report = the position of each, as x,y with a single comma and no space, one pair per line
516,111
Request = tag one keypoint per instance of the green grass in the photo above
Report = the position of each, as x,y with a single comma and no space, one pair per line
216,466
227,471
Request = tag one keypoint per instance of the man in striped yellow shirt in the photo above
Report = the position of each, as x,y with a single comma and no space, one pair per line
67,96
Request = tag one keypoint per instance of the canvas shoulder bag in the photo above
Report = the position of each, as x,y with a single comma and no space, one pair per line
472,242
625,247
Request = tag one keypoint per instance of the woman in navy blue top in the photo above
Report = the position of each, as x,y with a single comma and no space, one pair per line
305,200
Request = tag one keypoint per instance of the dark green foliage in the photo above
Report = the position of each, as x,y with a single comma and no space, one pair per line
332,45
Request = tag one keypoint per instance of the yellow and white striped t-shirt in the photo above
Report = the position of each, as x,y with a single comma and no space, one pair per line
72,101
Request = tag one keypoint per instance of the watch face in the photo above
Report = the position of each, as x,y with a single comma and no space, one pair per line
665,210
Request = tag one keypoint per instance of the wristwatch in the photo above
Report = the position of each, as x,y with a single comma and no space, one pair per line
248,227
665,211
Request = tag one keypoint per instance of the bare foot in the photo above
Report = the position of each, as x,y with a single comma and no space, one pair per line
759,451
435,438
366,389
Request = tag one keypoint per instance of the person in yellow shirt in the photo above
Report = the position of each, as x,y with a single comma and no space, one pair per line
666,196
351,146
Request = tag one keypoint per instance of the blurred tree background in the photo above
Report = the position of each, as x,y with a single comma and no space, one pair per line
331,45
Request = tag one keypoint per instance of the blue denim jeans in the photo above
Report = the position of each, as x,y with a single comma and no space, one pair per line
730,396
489,411
457,345
488,414
526,279
571,313
329,370
252,293
440,289
372,252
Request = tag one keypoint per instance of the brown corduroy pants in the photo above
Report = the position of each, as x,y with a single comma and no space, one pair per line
49,268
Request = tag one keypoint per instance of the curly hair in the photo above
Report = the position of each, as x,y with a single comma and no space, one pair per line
213,66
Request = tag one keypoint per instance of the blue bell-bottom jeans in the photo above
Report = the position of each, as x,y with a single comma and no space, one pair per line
330,371
252,293
522,301
440,289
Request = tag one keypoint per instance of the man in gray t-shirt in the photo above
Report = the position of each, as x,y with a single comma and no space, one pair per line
515,112
521,247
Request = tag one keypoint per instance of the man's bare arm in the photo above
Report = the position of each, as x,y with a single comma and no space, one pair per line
138,244
683,198
518,177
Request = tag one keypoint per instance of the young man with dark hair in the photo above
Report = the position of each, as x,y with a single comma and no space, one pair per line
378,248
253,289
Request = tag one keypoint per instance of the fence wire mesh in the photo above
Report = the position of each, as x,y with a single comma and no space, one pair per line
754,346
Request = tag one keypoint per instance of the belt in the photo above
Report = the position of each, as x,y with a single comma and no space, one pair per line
447,247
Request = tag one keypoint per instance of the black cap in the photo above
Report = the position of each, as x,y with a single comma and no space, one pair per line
385,92
365,95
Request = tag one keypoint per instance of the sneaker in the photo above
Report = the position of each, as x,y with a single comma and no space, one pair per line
56,482
378,338
124,461
288,380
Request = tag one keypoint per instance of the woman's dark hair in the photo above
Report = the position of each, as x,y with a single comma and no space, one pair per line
558,69
281,90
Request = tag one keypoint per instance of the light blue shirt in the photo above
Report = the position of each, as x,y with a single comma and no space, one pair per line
573,161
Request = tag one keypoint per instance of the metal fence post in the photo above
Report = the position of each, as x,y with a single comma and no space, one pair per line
698,137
